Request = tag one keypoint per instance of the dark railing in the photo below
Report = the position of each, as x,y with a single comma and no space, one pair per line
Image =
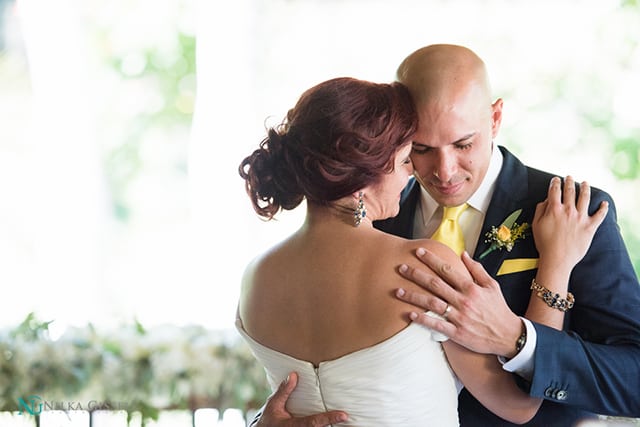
204,417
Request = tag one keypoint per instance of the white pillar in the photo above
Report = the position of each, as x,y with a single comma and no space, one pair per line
62,177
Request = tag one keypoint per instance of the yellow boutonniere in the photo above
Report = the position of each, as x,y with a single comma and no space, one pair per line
506,234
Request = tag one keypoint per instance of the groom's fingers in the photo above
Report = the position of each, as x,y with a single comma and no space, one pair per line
429,281
434,323
422,300
320,420
479,274
450,279
285,389
275,413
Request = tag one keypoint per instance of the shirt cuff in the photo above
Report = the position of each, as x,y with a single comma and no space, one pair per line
435,335
523,362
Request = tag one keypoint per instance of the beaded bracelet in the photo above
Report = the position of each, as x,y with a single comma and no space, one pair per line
552,300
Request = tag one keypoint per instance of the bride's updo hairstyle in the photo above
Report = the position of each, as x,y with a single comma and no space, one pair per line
341,136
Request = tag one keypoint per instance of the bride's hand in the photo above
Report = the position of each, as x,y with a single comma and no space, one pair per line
562,227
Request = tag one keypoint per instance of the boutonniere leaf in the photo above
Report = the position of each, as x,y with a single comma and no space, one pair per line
506,234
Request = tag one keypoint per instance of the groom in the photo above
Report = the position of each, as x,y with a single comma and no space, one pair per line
593,366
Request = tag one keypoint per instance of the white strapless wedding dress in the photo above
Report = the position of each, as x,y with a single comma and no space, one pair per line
402,381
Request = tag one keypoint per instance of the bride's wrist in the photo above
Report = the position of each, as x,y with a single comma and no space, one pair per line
556,274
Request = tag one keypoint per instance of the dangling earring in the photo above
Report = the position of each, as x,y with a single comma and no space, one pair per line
360,211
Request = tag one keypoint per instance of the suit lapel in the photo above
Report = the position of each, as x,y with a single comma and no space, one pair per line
511,189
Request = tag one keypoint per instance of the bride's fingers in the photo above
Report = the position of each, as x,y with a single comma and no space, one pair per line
584,198
555,191
599,215
541,209
569,191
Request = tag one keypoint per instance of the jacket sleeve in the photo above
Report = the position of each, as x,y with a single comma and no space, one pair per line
595,362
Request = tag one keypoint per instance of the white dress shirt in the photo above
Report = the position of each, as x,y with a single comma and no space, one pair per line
427,219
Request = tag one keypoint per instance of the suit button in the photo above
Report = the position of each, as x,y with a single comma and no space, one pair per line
549,392
562,395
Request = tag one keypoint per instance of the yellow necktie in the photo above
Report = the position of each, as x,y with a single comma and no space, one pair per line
449,231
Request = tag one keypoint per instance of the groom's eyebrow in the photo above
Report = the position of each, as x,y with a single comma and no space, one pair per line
457,141
464,138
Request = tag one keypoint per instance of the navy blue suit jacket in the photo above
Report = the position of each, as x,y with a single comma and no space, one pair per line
593,365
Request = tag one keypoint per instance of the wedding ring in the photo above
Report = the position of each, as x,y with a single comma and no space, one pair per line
446,311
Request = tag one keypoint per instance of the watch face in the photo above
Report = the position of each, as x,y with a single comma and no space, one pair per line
521,341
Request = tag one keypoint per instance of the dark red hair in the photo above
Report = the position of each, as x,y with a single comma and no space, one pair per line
341,136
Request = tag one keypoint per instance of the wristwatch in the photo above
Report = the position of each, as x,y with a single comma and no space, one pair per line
522,340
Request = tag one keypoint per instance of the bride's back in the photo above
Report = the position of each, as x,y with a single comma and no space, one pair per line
328,291
322,305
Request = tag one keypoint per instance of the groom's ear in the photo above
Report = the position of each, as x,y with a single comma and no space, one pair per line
496,117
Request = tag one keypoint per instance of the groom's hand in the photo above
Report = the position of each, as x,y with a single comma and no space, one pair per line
275,413
478,317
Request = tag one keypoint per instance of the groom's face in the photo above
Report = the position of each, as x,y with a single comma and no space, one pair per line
453,145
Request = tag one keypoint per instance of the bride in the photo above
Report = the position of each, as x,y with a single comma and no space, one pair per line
321,303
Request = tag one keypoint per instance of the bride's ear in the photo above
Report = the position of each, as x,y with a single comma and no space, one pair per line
361,192
358,196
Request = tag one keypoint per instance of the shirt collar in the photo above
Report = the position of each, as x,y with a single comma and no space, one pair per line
482,197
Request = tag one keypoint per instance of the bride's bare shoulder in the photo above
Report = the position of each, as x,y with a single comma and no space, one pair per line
439,249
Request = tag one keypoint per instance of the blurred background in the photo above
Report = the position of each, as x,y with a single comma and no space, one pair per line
122,124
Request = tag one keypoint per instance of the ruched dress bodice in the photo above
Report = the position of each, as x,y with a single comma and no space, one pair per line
402,381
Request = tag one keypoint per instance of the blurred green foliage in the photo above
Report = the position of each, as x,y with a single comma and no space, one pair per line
149,370
625,162
625,159
169,74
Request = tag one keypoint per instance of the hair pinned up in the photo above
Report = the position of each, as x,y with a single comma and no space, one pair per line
340,137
